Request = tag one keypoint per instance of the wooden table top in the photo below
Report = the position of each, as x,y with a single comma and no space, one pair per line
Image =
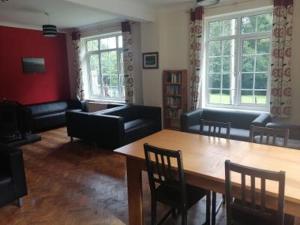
205,156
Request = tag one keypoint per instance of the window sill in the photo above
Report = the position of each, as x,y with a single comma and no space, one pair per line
237,109
105,101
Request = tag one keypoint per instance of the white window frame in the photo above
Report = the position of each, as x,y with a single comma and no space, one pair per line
235,87
119,51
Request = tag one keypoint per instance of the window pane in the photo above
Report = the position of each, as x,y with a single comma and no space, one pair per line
248,24
248,64
214,97
226,64
214,48
247,97
92,45
261,97
226,81
94,73
247,81
215,29
120,41
214,65
261,81
263,46
264,22
109,63
108,43
229,27
262,63
225,99
249,47
214,81
227,47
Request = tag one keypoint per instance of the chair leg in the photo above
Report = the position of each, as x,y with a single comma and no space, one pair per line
184,217
213,208
208,206
153,211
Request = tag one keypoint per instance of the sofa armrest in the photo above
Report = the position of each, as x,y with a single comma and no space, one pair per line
107,130
152,113
190,119
14,161
262,120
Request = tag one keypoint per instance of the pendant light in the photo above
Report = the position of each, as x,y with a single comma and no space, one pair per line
49,30
207,2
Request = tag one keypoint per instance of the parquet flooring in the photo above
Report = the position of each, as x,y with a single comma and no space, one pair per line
77,184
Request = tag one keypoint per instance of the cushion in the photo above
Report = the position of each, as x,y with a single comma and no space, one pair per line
48,108
235,133
4,178
136,124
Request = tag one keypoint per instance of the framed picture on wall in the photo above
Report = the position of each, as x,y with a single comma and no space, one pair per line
150,60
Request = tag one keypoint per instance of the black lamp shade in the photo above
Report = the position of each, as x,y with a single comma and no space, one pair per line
49,30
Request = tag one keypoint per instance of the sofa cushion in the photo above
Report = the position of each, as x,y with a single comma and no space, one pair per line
241,120
49,121
137,124
235,133
240,134
48,108
4,178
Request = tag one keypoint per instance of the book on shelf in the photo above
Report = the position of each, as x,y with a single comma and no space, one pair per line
174,78
173,102
173,113
173,90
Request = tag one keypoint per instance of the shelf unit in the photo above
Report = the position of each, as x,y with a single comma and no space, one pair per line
174,97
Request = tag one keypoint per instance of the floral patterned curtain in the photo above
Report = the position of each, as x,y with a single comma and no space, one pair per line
128,62
281,58
195,55
77,65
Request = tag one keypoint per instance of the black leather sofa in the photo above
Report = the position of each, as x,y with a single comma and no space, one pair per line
50,115
112,128
240,121
12,175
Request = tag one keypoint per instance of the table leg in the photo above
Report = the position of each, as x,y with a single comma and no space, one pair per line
135,192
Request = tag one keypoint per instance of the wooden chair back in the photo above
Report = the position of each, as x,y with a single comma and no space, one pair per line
248,201
215,128
160,170
269,136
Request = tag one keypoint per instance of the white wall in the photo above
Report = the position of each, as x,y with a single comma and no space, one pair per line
169,36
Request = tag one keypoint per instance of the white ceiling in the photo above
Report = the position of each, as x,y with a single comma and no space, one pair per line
80,13
62,13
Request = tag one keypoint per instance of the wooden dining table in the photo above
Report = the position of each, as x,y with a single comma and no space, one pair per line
203,161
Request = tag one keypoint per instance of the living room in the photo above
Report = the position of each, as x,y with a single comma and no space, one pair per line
85,85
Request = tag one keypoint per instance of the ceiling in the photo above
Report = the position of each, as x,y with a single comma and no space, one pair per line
62,13
79,13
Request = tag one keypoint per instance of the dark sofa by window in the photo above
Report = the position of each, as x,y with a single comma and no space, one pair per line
240,121
114,127
50,115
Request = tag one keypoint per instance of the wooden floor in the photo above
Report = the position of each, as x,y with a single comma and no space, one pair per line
78,184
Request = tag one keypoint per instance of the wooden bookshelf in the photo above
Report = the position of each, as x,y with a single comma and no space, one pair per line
174,97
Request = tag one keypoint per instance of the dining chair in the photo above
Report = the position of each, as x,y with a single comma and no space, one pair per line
215,128
168,185
269,136
250,207
222,130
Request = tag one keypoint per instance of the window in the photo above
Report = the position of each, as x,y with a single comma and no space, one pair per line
104,56
238,60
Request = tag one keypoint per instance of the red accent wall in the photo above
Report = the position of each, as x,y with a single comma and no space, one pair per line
52,85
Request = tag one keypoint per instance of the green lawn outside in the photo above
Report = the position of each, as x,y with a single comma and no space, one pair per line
246,99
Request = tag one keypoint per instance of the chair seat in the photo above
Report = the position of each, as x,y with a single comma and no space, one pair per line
248,217
169,194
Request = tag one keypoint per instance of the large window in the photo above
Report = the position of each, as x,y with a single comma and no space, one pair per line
105,67
238,50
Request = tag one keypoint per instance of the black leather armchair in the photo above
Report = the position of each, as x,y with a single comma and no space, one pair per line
240,121
12,175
